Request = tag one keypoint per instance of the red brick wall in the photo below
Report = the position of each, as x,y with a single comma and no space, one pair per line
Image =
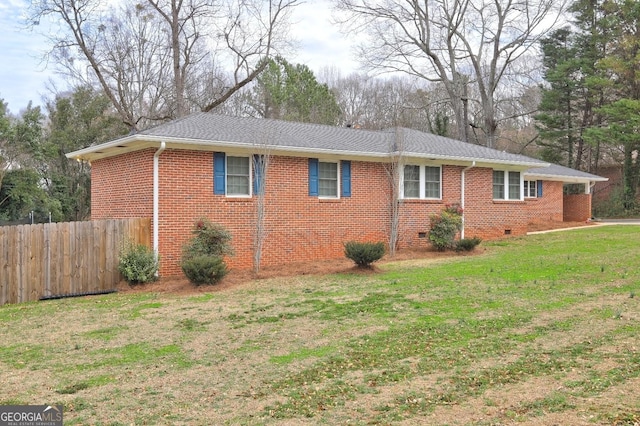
486,218
415,215
122,186
577,207
299,227
549,207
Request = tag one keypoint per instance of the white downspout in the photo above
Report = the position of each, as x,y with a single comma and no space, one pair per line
156,196
462,176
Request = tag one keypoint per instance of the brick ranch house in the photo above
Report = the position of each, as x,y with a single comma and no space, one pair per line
323,186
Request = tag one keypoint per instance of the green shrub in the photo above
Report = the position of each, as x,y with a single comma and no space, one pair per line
138,264
616,205
467,244
209,239
204,269
203,256
364,254
444,227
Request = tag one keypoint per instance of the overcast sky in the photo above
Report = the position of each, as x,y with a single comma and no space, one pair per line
24,77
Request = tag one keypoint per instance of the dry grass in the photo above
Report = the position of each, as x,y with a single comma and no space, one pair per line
535,331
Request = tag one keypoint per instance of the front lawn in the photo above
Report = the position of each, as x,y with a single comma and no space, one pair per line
536,330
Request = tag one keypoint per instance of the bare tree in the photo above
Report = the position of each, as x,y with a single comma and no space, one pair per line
160,59
394,168
184,20
380,103
261,163
254,31
75,42
459,43
135,63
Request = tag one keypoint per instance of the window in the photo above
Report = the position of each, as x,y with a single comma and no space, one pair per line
514,185
411,181
232,175
506,185
530,189
327,179
422,182
238,176
432,182
498,185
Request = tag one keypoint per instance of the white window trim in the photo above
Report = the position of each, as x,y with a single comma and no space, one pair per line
338,180
526,187
226,177
423,190
506,186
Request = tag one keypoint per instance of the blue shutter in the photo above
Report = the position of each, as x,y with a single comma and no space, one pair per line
539,188
313,177
218,173
257,173
346,178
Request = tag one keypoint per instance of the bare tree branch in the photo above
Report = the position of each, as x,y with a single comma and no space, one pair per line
165,58
467,45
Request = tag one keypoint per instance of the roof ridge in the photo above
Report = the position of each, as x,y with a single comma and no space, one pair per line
171,122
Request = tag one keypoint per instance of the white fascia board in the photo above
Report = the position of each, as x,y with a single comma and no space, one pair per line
479,162
83,153
566,179
140,141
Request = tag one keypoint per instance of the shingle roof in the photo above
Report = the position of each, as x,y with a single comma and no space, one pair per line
254,131
417,142
210,131
555,170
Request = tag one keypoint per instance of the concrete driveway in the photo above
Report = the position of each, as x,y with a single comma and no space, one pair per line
595,222
617,221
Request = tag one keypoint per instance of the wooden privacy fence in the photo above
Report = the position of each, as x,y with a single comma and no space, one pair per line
57,259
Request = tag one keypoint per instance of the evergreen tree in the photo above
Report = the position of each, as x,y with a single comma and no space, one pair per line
620,83
559,112
292,92
575,87
6,157
623,127
22,194
82,119
21,189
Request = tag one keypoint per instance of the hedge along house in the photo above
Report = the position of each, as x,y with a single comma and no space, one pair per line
303,190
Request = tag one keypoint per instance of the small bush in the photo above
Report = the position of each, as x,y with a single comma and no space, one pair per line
204,269
444,227
467,244
203,256
209,239
364,254
138,264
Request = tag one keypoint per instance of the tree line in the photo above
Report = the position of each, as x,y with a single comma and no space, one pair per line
553,80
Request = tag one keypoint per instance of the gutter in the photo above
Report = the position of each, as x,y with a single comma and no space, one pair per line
462,176
156,197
